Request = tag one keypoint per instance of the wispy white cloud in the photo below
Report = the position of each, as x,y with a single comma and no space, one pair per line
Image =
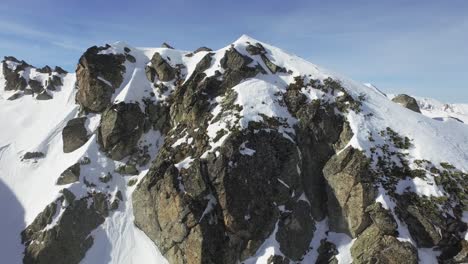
20,30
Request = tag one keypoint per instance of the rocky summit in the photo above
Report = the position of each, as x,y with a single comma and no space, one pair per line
245,154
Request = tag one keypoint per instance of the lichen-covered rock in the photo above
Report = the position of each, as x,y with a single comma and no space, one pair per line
120,128
407,101
68,240
374,247
350,192
127,169
427,226
70,175
223,205
382,219
74,134
234,60
150,73
162,68
97,76
256,49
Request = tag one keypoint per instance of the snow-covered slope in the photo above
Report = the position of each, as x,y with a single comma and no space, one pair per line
443,111
31,125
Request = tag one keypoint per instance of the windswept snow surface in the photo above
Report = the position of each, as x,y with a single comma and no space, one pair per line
26,187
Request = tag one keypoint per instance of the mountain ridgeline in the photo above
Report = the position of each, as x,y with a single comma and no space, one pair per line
245,154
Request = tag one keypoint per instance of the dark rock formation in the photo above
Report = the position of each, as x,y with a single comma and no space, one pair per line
33,155
162,69
296,230
165,45
374,247
407,101
120,129
98,75
11,68
59,70
350,192
44,96
45,69
70,175
36,86
15,96
74,134
15,78
222,207
68,240
202,49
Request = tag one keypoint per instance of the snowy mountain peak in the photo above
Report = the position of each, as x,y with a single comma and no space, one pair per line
243,154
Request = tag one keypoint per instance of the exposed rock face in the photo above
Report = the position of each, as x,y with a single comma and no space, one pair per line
19,75
165,45
407,101
44,96
33,155
350,192
225,180
374,247
220,209
202,49
11,68
428,227
120,129
36,86
74,134
161,68
296,230
98,75
70,175
69,239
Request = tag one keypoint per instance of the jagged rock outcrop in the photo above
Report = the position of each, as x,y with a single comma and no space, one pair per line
223,206
26,79
70,175
11,68
97,77
67,240
120,129
44,95
372,246
74,134
202,49
350,192
243,154
408,102
33,155
160,68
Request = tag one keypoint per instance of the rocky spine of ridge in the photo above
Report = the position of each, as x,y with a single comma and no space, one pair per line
215,195
26,79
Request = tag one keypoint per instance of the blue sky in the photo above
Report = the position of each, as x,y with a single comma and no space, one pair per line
415,47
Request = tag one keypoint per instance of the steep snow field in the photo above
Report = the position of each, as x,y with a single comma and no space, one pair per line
26,187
